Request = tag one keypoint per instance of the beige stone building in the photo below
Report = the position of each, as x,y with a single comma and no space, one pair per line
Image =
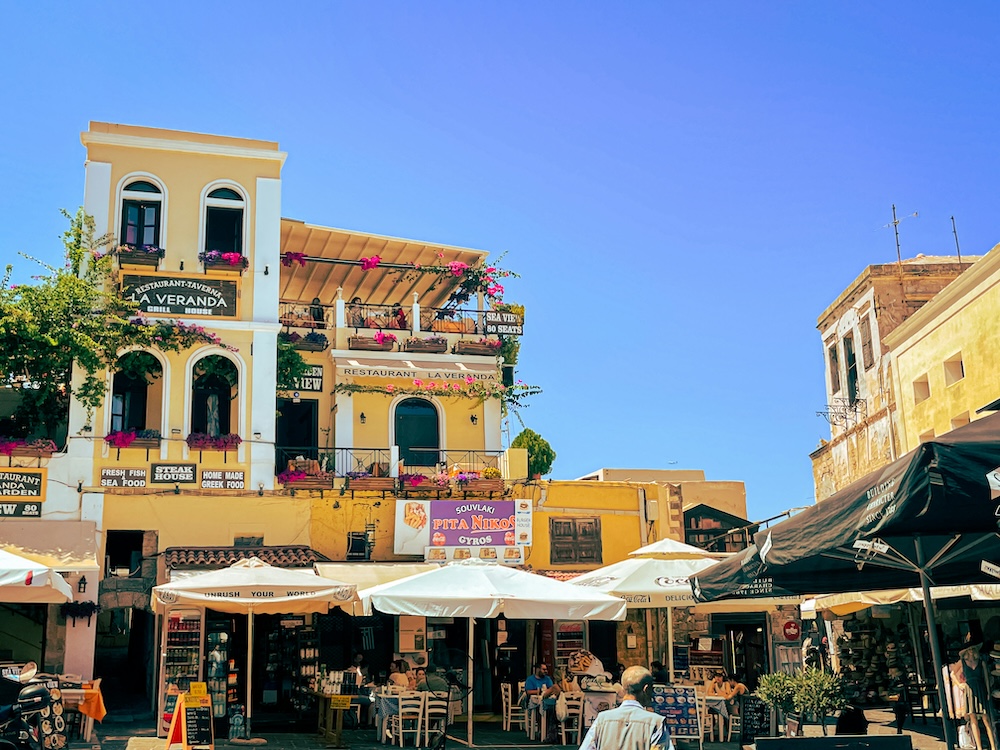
860,403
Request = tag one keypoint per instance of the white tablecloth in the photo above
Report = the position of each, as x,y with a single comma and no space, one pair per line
596,701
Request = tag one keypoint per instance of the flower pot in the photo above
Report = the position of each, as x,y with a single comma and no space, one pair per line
474,347
482,486
145,443
25,452
363,343
310,346
371,484
139,259
220,264
311,483
429,347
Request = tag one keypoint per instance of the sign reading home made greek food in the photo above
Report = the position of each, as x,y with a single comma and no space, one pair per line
159,295
468,524
123,477
22,484
173,473
219,479
504,323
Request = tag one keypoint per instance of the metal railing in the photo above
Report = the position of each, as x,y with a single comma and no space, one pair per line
302,315
360,315
336,463
451,320
444,460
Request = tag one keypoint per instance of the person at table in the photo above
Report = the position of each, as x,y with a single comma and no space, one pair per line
360,665
660,674
429,681
396,677
541,685
733,689
630,726
717,685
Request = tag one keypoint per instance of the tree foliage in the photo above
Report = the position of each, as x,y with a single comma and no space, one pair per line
540,453
73,319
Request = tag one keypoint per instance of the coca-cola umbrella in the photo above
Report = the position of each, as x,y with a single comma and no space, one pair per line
930,517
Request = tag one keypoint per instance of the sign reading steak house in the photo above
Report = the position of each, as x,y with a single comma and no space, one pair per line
159,295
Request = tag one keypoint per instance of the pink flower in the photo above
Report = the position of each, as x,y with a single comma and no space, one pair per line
432,384
491,269
418,382
390,387
469,379
457,267
495,291
456,387
367,264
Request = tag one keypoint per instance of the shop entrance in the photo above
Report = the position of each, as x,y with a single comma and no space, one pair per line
22,633
417,432
296,430
745,645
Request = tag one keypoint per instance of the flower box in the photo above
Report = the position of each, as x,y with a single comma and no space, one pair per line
371,484
311,483
426,345
483,486
24,451
364,343
219,263
145,443
129,256
475,347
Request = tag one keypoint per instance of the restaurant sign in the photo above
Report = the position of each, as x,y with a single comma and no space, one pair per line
22,484
480,527
504,323
21,510
311,379
167,295
123,477
173,473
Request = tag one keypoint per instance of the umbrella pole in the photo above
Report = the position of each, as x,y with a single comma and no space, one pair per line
249,668
471,678
925,585
670,642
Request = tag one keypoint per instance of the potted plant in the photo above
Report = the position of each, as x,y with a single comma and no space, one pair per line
314,341
40,448
484,347
133,439
818,693
146,439
201,441
218,260
364,481
139,255
476,482
777,690
430,345
380,342
540,453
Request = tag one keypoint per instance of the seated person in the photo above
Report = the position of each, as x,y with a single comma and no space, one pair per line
397,677
355,315
398,319
317,314
360,665
540,684
734,690
717,686
432,682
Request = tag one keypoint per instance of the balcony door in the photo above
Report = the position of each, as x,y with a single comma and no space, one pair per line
297,430
417,432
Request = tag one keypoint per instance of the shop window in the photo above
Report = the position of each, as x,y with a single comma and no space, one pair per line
224,221
954,369
851,365
921,389
575,540
867,350
417,432
123,553
215,388
248,541
357,545
834,361
141,203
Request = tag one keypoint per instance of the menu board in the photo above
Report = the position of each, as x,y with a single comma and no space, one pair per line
678,705
198,721
756,718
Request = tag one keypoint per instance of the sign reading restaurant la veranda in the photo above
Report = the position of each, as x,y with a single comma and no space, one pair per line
160,295
22,484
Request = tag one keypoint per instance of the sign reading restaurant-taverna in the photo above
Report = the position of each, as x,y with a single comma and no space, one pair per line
170,295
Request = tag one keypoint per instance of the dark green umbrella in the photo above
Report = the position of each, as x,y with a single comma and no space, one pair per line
929,517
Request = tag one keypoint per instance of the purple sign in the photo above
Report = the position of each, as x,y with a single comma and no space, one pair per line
470,524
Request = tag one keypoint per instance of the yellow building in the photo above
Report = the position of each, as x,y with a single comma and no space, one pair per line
945,356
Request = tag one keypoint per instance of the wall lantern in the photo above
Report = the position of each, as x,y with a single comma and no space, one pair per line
363,418
81,585
474,419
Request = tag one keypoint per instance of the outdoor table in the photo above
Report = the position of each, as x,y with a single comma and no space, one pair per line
385,706
716,704
88,701
330,722
595,701
534,707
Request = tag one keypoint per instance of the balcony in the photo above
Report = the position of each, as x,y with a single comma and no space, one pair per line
434,472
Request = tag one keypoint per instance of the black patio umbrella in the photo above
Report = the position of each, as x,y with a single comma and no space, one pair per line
929,517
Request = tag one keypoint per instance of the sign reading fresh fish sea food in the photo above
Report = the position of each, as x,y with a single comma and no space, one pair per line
423,526
170,295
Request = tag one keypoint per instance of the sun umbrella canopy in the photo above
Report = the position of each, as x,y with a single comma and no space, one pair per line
253,585
671,549
473,588
23,581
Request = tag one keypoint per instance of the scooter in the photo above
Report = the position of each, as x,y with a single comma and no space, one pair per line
21,705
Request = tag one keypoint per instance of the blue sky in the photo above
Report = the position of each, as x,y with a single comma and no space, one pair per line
683,187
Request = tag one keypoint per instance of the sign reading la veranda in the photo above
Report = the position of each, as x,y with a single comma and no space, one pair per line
160,295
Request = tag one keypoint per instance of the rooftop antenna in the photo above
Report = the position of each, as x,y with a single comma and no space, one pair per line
954,231
899,254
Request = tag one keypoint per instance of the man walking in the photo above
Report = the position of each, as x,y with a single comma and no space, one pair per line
630,726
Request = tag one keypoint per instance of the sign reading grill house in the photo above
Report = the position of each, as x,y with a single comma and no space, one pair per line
160,295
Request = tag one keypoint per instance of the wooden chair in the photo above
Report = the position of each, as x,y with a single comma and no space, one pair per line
513,711
435,716
409,719
573,722
735,727
706,719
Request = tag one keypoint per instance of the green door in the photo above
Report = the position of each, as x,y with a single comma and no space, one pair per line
417,432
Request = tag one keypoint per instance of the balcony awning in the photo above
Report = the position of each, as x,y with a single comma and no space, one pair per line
381,285
64,546
412,367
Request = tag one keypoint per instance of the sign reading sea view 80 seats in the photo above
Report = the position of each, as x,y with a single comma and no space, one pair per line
169,295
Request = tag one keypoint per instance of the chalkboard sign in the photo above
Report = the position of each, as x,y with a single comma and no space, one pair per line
756,718
681,662
198,721
678,705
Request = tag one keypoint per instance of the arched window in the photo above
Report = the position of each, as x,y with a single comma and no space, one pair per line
224,221
136,374
417,433
141,208
215,388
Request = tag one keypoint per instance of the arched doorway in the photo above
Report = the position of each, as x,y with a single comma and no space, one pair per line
215,387
417,432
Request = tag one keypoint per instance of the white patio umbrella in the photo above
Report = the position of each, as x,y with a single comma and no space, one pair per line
24,581
671,549
474,588
252,587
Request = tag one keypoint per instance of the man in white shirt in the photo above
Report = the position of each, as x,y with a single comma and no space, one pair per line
630,726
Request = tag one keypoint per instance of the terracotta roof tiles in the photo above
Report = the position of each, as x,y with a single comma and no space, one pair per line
289,556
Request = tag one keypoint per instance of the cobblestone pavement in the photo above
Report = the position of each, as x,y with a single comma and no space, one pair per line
140,735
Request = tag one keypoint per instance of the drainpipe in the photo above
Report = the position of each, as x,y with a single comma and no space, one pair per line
643,538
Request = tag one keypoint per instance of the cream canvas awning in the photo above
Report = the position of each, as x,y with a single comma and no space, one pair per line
845,604
64,546
365,575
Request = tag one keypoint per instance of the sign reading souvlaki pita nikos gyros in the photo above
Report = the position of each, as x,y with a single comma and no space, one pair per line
442,530
173,295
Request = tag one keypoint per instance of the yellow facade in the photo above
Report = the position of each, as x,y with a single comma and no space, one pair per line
945,356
